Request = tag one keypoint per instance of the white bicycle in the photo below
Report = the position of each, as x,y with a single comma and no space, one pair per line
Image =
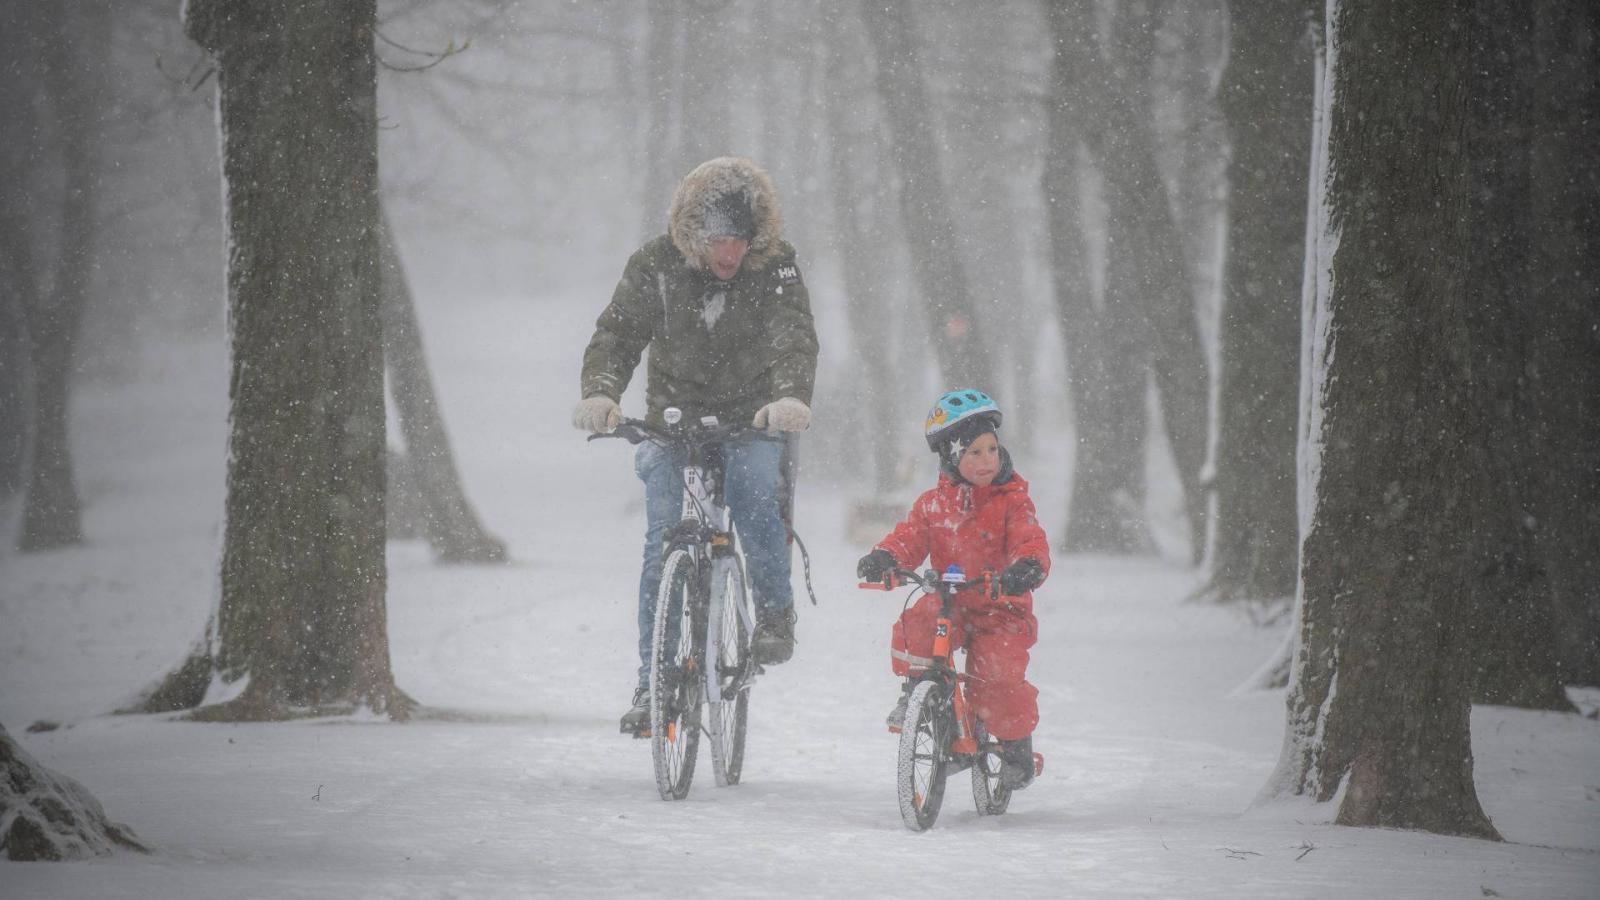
701,667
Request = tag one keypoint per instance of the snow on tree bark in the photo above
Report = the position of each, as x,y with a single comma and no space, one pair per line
1379,708
46,816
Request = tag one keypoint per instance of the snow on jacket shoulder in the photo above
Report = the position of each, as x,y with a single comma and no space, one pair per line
977,528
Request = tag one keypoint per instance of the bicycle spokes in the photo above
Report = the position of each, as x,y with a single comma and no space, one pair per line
674,701
923,761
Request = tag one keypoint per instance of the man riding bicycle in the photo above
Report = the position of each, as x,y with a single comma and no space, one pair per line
719,301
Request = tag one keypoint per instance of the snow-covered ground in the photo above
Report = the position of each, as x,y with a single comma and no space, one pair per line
1152,759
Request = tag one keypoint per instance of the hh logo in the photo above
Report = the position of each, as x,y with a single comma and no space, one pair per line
789,274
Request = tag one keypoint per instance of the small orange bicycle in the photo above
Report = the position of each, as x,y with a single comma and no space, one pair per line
941,732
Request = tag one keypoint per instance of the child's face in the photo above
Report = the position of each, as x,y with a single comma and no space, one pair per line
980,462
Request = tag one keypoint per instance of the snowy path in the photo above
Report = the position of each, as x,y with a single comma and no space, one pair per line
1151,764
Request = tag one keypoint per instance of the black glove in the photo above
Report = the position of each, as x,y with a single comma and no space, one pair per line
875,566
1021,577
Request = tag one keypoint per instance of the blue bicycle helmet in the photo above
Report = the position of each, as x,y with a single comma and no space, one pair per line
956,413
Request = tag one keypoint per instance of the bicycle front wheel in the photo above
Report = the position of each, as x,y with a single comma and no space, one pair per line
676,690
729,647
924,748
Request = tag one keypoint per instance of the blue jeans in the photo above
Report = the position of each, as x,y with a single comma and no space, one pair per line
751,492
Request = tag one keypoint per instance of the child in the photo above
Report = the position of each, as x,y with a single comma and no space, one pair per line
980,518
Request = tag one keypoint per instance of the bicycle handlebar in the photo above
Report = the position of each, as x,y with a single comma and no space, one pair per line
636,431
931,581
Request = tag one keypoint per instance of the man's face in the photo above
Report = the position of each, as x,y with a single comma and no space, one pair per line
727,253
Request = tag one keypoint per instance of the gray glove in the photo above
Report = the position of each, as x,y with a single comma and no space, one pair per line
597,414
783,414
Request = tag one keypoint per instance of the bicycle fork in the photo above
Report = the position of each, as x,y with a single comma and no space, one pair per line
963,742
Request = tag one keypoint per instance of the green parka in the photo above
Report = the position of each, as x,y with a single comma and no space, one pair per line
717,348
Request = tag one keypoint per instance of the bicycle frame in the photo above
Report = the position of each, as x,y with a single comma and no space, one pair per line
940,733
705,528
942,664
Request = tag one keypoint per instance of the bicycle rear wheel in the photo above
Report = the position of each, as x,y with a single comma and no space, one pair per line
730,647
988,794
924,749
675,687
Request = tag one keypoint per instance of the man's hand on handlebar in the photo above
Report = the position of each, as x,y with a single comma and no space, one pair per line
783,414
597,415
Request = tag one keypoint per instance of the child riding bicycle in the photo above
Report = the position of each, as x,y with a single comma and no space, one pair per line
978,517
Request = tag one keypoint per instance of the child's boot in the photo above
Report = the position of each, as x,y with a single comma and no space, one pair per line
898,714
1016,763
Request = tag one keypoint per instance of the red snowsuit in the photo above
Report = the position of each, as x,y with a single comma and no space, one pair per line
977,528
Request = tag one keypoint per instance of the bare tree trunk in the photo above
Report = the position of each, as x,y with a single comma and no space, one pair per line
52,514
1516,663
19,282
15,382
1081,313
301,624
1266,96
953,319
688,97
1105,363
661,76
50,817
448,520
977,139
1380,703
708,70
1565,296
1146,277
857,178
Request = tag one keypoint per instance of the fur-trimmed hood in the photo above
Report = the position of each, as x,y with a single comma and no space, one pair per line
700,189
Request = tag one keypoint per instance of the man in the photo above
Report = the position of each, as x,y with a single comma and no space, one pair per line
719,301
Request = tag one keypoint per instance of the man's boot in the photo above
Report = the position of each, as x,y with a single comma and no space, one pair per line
636,721
773,641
